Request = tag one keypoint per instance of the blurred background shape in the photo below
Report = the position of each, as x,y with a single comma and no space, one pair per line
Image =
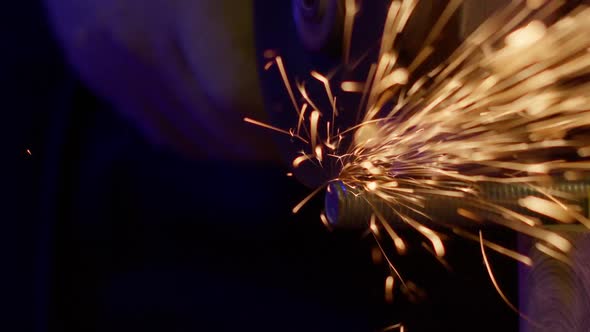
183,71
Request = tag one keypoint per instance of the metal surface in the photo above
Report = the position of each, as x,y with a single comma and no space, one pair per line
348,209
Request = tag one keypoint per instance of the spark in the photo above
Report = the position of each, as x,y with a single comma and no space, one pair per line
443,19
303,91
553,253
389,263
470,215
397,240
496,247
372,186
350,11
328,144
440,259
437,244
389,33
573,176
534,4
389,282
526,36
584,152
509,107
373,225
313,121
286,82
366,90
349,86
319,153
306,199
301,117
548,208
299,160
495,283
484,110
326,83
398,327
267,126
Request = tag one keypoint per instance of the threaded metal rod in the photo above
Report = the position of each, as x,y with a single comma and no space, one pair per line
348,209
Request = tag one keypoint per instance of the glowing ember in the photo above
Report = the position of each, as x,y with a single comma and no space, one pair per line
389,282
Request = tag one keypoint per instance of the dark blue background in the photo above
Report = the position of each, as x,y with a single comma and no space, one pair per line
103,232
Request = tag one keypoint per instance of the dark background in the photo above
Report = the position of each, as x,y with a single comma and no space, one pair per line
104,232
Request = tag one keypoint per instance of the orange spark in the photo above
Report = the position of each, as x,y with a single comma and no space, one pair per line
389,283
349,86
350,11
313,121
267,126
286,82
326,83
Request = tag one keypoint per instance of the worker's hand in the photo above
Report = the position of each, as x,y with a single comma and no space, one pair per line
182,70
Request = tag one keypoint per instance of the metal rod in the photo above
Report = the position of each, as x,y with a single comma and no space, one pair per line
346,208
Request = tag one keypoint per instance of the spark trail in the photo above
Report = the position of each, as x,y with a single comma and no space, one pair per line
511,105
